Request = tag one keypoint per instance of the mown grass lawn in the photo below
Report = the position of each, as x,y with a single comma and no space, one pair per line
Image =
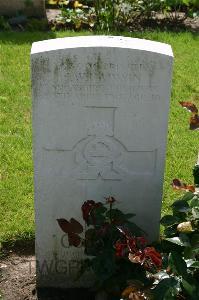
16,168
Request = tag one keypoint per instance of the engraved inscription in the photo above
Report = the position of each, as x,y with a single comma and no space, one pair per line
86,86
98,154
84,95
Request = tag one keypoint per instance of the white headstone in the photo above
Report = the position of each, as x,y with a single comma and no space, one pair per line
100,114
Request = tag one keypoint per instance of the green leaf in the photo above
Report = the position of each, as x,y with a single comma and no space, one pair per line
169,220
195,212
194,202
93,243
175,240
115,214
118,217
104,265
190,289
168,246
90,234
161,275
195,251
97,217
180,206
189,253
188,196
186,2
185,239
170,231
100,209
166,288
195,240
178,264
194,264
189,262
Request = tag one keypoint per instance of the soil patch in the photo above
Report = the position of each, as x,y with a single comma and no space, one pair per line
18,281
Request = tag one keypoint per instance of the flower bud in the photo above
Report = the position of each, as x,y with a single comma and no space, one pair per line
185,227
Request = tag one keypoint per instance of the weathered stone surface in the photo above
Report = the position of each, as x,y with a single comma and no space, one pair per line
34,8
100,110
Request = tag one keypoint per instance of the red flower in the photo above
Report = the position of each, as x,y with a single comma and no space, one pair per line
147,257
137,257
120,249
153,255
87,209
141,241
135,243
131,241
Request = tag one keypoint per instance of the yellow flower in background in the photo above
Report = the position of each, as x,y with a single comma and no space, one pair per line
58,2
77,4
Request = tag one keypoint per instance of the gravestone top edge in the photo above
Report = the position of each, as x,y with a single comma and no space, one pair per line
103,42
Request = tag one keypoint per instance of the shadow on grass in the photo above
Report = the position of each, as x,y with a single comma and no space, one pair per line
137,29
27,37
170,25
20,246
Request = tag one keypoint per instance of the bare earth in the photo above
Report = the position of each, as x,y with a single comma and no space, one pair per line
17,277
18,282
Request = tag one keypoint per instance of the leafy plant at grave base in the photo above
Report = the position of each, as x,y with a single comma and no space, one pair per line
179,273
109,237
181,243
121,256
179,276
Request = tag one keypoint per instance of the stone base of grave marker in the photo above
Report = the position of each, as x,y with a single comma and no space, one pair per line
100,114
